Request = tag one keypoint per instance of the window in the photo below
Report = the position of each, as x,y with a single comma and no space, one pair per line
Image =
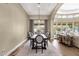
70,16
76,15
64,16
58,16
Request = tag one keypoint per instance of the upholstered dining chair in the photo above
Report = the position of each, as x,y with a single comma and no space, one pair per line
30,34
48,37
39,40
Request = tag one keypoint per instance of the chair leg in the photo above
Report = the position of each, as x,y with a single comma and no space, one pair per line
47,43
42,48
30,43
36,47
33,43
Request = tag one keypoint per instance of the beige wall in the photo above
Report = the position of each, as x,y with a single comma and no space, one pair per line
13,26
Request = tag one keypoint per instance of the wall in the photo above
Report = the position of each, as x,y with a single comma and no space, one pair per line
52,16
13,26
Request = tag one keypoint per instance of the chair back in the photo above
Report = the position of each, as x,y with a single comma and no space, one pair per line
30,34
47,34
39,39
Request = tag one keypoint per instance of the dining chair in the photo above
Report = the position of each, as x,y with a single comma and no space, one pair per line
39,40
30,34
48,37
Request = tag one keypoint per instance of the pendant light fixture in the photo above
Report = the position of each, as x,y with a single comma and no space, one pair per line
38,15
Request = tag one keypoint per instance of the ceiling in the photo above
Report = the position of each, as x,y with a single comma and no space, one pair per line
34,9
69,8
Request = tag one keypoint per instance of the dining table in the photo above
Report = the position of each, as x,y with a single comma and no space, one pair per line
34,36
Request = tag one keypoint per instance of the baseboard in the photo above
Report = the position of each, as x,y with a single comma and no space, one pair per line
15,49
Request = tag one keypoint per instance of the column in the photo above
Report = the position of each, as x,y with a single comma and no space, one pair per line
31,26
46,25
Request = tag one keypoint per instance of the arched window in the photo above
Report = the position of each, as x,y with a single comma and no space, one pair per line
77,15
70,16
64,16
